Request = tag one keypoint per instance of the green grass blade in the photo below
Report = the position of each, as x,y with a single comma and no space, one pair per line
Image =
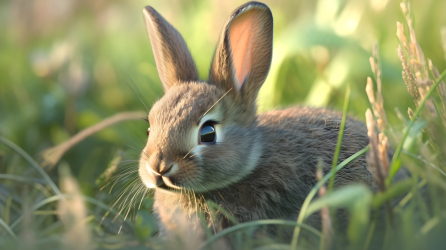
37,206
314,190
59,197
18,178
340,136
372,227
395,190
27,157
408,197
8,229
259,223
7,209
393,166
345,196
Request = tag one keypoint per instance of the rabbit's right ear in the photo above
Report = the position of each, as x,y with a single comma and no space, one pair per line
243,56
172,57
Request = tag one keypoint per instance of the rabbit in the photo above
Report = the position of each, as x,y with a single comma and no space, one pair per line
206,141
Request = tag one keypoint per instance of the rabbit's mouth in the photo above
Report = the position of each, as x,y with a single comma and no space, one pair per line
168,188
158,181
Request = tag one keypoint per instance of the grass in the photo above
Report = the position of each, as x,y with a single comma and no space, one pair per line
310,196
315,52
394,167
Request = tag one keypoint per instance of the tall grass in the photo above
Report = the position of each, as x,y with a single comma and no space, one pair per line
41,208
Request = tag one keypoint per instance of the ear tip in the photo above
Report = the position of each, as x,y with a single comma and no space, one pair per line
148,11
258,4
265,11
254,4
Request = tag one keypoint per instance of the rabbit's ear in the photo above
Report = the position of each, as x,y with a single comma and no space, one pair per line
243,55
172,57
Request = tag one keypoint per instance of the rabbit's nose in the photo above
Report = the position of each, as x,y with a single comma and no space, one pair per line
160,169
159,165
159,176
164,169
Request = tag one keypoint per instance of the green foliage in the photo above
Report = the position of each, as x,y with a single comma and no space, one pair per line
67,65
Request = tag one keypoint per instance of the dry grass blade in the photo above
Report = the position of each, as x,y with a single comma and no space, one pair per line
377,159
415,70
72,212
52,155
416,76
393,166
377,101
375,163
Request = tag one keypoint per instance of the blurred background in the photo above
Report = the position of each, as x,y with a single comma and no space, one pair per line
67,64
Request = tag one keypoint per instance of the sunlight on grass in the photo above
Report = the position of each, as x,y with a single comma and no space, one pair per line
69,175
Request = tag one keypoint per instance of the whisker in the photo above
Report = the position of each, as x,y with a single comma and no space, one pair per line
142,198
140,188
217,102
134,147
137,93
125,189
126,161
123,204
120,180
124,174
190,151
140,94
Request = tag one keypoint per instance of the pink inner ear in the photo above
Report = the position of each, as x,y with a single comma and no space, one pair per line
241,39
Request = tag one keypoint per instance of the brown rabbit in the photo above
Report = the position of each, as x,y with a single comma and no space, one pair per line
206,141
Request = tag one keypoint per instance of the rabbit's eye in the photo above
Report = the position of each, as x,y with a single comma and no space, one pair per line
207,133
148,131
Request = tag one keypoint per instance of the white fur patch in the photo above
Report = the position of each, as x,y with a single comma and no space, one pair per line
150,170
254,157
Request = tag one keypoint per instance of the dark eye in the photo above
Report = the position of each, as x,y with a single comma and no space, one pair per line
207,133
148,131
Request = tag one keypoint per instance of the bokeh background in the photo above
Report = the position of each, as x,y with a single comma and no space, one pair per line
68,64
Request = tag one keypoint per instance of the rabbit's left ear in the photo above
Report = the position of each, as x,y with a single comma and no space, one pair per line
243,56
172,57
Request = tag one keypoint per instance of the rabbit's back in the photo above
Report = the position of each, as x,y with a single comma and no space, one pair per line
299,136
295,139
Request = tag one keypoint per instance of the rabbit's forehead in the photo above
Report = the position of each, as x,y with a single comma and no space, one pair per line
183,105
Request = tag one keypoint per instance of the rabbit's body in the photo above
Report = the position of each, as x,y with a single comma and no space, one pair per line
207,143
276,188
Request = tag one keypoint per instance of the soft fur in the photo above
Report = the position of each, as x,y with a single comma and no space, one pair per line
262,166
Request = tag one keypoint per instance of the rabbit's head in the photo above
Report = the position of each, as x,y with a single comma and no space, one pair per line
201,133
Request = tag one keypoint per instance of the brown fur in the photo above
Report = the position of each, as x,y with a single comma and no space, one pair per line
262,166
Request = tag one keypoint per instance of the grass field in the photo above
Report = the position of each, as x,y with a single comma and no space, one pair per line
67,65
